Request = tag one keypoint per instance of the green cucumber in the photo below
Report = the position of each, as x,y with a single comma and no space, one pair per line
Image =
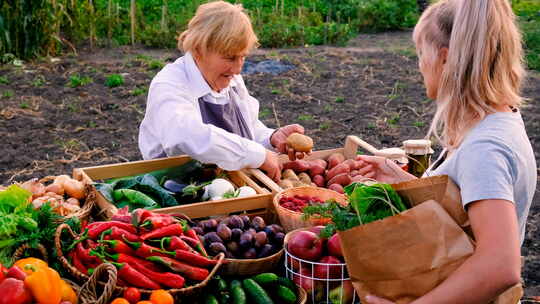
237,293
210,299
221,284
224,298
266,279
256,292
287,283
286,294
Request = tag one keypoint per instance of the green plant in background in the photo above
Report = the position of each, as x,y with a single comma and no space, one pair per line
114,80
305,117
78,81
139,91
528,12
4,80
7,94
38,81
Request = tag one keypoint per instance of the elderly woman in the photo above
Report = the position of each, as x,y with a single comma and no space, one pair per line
199,105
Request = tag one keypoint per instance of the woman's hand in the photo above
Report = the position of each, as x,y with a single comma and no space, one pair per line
382,169
376,300
271,166
279,140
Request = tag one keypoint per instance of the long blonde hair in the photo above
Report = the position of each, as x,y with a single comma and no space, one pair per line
484,67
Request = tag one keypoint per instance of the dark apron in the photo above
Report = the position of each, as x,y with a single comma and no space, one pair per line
227,117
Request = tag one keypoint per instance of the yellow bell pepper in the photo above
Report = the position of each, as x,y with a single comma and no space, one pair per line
45,285
68,294
29,265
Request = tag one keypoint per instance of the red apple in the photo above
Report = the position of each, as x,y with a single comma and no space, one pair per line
328,271
305,245
316,229
304,279
334,246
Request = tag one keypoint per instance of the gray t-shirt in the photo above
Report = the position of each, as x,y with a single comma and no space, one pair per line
495,161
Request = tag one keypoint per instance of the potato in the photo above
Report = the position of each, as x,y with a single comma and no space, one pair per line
289,174
300,142
339,169
297,165
335,159
342,179
286,184
337,188
299,184
304,178
319,180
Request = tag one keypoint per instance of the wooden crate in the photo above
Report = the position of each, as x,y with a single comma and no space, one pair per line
350,150
256,204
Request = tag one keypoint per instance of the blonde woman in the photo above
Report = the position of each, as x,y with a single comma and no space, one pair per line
471,60
199,105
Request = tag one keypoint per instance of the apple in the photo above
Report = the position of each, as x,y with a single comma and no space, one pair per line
305,245
343,294
334,246
328,271
304,279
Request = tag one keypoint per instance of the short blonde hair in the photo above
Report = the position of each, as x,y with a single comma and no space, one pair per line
484,68
219,27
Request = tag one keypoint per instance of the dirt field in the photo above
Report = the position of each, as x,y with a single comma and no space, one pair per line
371,88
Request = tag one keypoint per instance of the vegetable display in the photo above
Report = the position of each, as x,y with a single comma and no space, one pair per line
151,251
240,237
30,280
264,288
188,183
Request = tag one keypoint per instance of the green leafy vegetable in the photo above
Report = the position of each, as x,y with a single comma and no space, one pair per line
366,204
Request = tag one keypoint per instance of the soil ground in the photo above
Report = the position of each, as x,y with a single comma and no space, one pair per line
371,88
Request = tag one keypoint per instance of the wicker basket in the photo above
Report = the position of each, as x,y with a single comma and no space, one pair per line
247,267
291,220
87,205
19,253
81,277
302,295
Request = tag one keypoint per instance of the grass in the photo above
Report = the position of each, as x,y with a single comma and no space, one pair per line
38,81
305,117
71,144
276,91
24,105
394,120
4,80
340,99
328,108
325,125
92,124
8,94
114,80
371,126
77,80
139,91
419,124
264,113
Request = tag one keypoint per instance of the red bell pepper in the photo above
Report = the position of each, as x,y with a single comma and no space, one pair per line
16,273
190,272
3,272
13,291
134,277
174,229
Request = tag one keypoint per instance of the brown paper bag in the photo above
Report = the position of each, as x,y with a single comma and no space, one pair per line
405,256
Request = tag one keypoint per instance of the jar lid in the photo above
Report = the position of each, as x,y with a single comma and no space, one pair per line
418,146
396,154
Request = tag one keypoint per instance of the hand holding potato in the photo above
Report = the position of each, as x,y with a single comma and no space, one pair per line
279,140
382,169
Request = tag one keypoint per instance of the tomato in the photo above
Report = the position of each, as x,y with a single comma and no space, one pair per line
120,301
161,297
145,302
132,294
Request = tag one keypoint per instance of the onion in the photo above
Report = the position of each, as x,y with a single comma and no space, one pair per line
246,191
73,201
61,179
37,188
74,188
56,188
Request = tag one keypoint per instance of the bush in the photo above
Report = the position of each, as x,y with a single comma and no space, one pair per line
114,80
529,16
386,14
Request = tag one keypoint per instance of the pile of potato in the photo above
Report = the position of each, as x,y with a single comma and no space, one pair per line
64,194
333,173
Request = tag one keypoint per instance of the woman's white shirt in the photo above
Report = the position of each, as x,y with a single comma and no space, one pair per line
173,124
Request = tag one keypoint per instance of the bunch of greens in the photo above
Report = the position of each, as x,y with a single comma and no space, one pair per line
21,224
367,203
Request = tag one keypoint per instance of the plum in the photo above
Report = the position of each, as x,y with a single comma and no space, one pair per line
212,237
216,248
258,223
265,251
236,233
235,222
224,232
260,239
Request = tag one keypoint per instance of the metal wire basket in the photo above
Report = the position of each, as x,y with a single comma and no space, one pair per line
324,283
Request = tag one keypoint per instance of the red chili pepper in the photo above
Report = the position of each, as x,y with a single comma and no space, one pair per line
139,215
172,243
190,272
167,279
174,229
118,246
96,228
84,253
158,221
143,250
125,258
116,233
134,277
196,243
191,258
76,261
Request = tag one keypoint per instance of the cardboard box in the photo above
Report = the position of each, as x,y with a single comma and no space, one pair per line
255,204
350,150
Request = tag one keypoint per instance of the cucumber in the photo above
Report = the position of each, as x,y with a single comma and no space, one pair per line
237,293
286,294
266,279
256,292
224,298
287,283
210,299
221,285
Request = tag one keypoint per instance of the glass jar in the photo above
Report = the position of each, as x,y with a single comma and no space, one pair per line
419,154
